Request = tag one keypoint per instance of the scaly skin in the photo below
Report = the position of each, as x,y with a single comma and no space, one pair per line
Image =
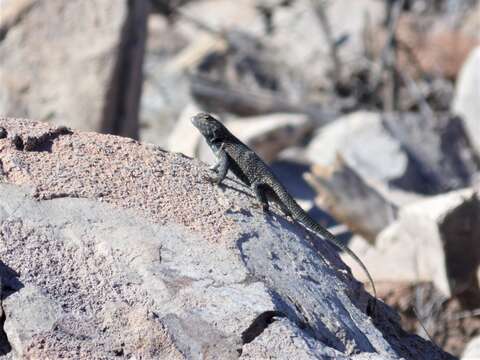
234,155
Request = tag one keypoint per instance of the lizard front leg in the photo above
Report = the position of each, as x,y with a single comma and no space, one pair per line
220,167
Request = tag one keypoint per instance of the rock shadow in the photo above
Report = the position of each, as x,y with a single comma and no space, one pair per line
9,284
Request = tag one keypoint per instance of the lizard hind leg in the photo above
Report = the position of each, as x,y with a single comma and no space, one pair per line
260,190
274,197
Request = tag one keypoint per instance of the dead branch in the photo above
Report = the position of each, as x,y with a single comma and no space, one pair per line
319,7
216,95
388,58
12,13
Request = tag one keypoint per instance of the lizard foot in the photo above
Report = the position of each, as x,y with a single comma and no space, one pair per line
371,307
265,208
213,179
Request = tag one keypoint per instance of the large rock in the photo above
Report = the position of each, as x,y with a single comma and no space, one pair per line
122,249
441,157
436,239
76,62
403,150
361,139
467,93
446,230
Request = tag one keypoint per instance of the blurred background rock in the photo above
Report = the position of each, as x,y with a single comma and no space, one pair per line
368,110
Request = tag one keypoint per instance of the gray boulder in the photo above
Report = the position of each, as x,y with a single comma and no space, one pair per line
436,239
403,150
113,248
74,63
362,140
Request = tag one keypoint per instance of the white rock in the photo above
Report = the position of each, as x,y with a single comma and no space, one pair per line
432,240
445,237
472,350
58,60
363,142
393,258
466,102
269,134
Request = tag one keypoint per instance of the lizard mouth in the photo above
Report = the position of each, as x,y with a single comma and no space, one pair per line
200,121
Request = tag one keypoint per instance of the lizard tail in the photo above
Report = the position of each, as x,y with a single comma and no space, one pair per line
302,217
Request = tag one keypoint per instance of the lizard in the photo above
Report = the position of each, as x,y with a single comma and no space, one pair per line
234,155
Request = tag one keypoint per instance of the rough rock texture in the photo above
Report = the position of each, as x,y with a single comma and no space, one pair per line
74,63
467,93
113,248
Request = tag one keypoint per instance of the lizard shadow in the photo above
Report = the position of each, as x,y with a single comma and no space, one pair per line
241,187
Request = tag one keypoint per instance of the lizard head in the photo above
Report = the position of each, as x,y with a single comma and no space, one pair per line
212,129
